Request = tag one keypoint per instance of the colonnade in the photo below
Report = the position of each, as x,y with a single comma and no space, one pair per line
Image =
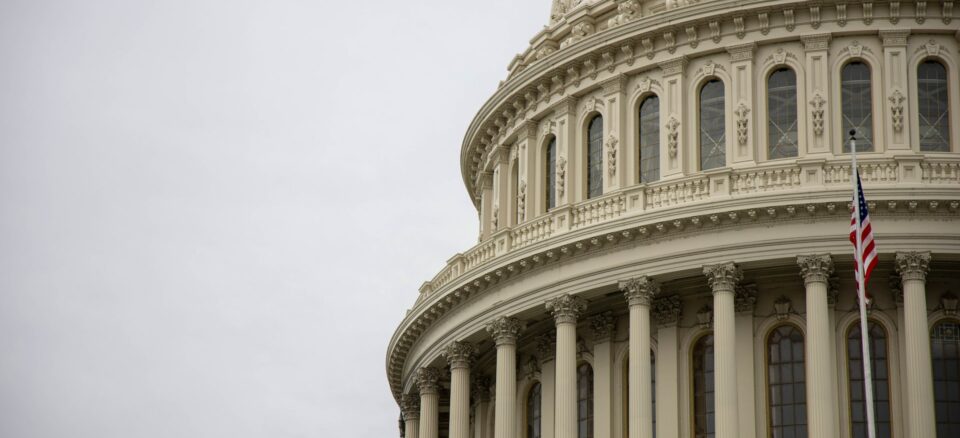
421,414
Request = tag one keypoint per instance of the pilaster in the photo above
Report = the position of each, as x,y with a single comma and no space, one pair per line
486,205
603,326
546,350
567,148
531,180
817,81
673,157
896,106
745,298
617,137
741,63
667,312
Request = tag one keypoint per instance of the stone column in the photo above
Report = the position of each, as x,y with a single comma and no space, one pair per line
566,309
546,350
410,406
481,393
913,267
723,279
816,270
428,382
667,311
639,293
505,331
603,326
460,355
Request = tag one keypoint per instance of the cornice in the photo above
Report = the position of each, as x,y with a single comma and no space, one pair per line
629,231
620,50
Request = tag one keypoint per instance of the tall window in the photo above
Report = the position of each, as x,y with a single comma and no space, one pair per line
551,173
595,157
704,409
533,412
650,139
782,112
856,106
945,352
713,150
881,383
584,401
932,107
786,382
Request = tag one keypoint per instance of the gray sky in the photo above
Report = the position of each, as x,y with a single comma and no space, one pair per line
213,214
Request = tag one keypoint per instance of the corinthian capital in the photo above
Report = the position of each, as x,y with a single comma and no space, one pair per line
913,265
723,277
566,308
505,330
603,326
815,268
639,291
428,380
410,406
460,354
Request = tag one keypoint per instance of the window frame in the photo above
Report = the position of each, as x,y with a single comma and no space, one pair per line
699,122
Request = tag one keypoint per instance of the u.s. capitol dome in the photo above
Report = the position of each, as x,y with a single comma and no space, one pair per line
663,192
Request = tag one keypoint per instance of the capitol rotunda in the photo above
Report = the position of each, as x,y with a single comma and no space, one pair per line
663,192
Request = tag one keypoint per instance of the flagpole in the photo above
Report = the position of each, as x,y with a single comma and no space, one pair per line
862,291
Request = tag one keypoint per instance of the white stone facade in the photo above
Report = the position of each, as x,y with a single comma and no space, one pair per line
747,252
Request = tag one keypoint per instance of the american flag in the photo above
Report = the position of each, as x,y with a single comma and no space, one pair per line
868,250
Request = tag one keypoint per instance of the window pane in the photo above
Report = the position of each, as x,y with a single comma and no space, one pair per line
595,158
650,139
533,412
703,406
713,151
856,105
856,383
585,401
782,110
945,352
551,174
787,391
932,107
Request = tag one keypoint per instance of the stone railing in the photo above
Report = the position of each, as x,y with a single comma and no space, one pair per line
798,176
598,210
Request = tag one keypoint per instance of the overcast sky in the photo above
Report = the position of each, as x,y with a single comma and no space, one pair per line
213,214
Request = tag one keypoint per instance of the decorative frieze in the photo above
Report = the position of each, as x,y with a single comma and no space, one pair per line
894,38
817,104
913,265
505,330
566,308
604,325
742,123
896,109
639,290
815,268
428,380
674,66
627,11
742,52
673,134
820,41
612,154
561,175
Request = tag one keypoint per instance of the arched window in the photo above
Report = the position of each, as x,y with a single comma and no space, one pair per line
595,157
551,173
782,114
856,105
945,352
932,107
881,380
704,409
584,401
785,382
650,139
713,149
533,411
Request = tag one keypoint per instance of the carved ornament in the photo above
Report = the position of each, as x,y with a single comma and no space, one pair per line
410,406
742,123
896,109
673,135
460,354
428,380
639,291
815,268
745,298
603,326
612,154
505,330
723,277
783,307
817,108
913,265
566,308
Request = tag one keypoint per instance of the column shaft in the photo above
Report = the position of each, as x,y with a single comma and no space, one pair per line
725,365
460,402
506,398
566,387
820,403
429,418
411,428
641,405
919,368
